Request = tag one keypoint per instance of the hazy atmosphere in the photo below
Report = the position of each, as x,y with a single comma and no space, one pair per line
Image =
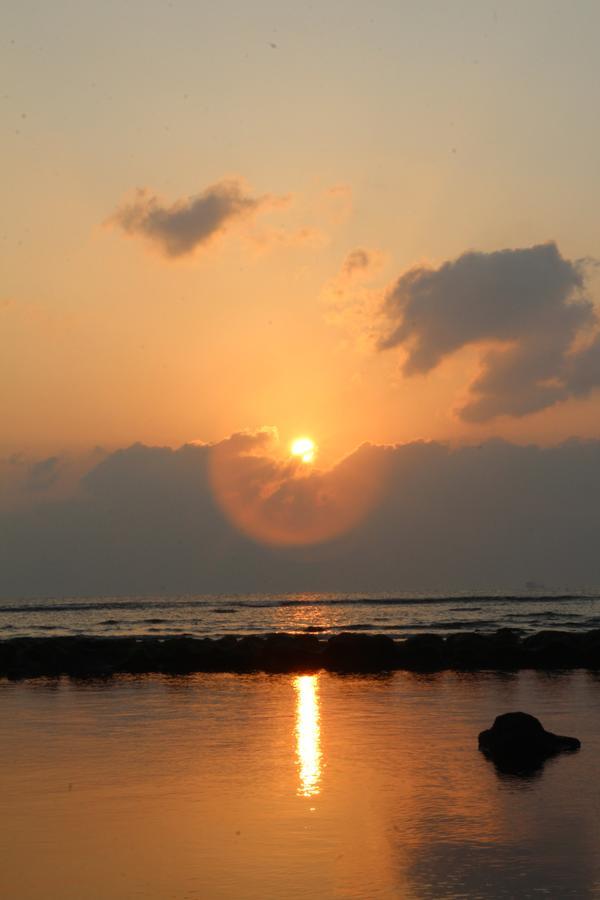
227,228
299,449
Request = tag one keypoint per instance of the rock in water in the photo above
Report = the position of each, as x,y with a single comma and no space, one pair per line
518,742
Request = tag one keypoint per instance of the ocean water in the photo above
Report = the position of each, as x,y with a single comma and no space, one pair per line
396,615
263,787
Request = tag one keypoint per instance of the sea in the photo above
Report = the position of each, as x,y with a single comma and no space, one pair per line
216,786
394,614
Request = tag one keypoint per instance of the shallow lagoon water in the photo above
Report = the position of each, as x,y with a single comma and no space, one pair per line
314,786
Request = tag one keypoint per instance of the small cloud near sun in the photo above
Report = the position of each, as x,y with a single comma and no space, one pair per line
304,448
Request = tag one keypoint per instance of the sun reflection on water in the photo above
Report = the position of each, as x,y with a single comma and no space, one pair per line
308,734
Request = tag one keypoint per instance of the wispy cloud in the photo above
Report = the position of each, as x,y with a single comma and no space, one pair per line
360,261
349,299
266,239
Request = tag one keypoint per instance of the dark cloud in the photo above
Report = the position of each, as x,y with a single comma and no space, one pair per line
582,370
178,229
26,482
424,518
43,474
357,260
527,304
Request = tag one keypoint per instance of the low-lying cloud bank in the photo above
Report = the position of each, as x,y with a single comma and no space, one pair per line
526,308
178,229
148,520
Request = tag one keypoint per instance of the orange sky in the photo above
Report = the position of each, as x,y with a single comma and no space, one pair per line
415,134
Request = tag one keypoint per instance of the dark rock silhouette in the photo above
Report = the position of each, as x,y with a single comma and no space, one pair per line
423,653
519,744
87,656
468,650
351,652
561,648
282,652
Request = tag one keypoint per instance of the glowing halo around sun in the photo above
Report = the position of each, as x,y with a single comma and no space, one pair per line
278,495
304,448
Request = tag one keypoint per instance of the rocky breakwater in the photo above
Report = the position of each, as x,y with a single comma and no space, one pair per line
85,656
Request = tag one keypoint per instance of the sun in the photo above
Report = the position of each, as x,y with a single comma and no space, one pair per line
304,448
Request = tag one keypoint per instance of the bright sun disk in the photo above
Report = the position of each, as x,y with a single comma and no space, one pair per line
304,448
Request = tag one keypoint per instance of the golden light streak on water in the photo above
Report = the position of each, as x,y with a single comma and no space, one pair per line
308,734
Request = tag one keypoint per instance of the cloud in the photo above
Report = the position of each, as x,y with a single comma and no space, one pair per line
349,301
357,261
266,239
582,370
279,501
180,228
525,308
43,474
413,517
25,482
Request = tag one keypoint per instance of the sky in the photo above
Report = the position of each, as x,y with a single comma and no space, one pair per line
364,223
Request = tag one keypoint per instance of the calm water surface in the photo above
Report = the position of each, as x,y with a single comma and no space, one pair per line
317,786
